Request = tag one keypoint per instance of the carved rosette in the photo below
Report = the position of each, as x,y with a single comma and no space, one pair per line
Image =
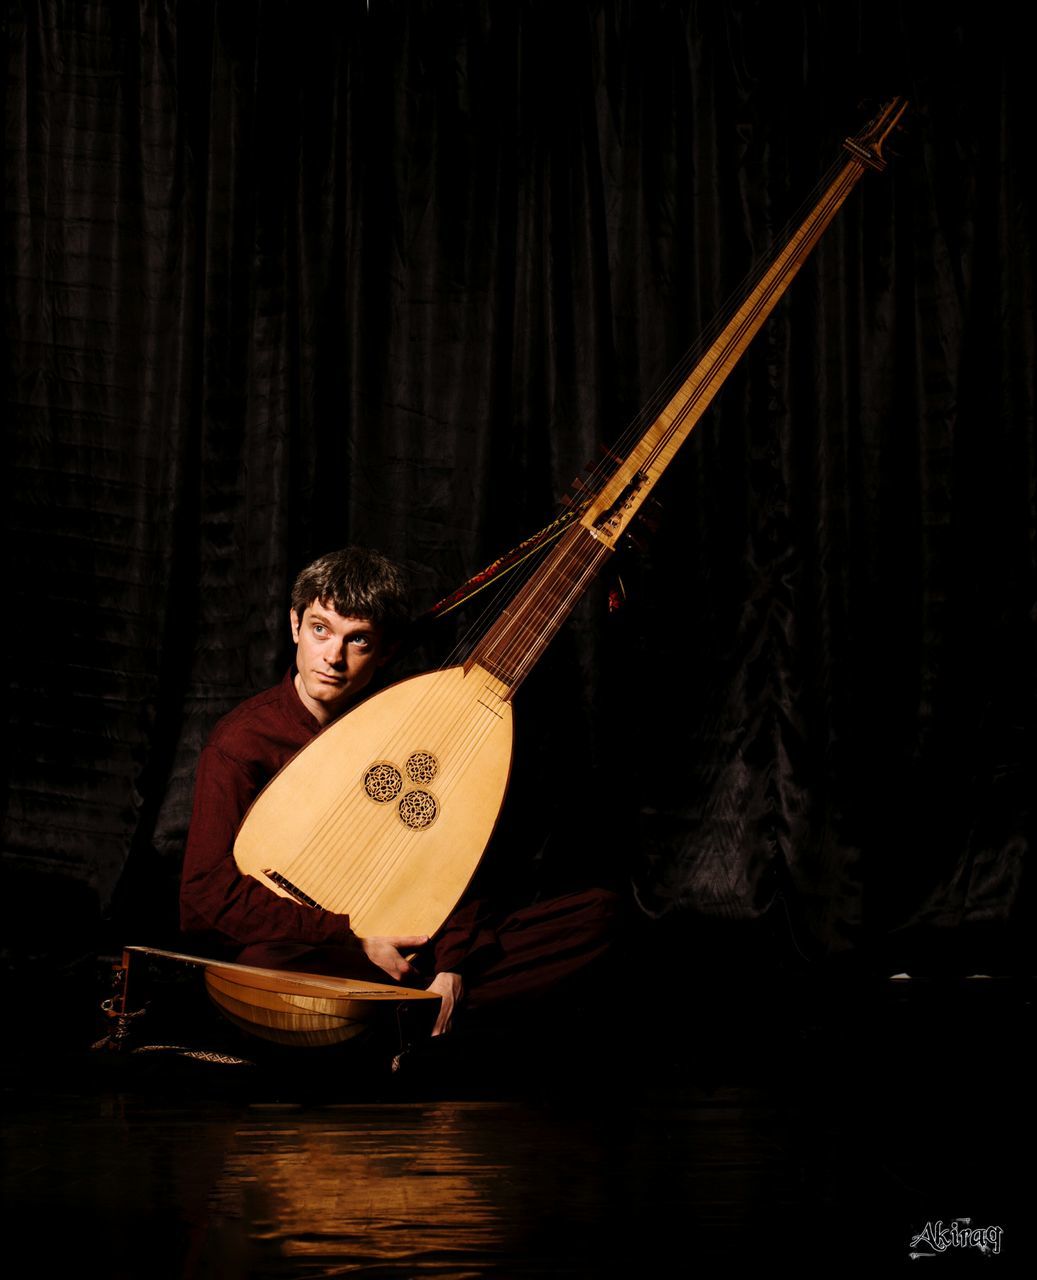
418,809
383,782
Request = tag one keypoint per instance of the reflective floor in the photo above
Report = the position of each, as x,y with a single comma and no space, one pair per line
824,1136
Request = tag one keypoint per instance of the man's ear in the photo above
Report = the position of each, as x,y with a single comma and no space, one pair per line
295,622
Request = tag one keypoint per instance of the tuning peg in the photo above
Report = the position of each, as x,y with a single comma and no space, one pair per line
575,492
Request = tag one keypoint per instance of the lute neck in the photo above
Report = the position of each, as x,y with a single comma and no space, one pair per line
518,637
530,620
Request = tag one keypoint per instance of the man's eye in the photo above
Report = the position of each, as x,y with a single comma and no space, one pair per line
319,629
361,641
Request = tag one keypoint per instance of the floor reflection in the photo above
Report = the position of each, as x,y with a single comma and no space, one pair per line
417,1188
445,1189
830,1146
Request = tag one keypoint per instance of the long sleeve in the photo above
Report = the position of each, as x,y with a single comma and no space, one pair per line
214,895
216,899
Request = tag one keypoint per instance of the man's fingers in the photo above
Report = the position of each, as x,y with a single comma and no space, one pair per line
449,987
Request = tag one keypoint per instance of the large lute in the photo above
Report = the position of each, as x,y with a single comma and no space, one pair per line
385,815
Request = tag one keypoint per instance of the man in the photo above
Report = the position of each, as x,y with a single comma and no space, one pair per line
347,613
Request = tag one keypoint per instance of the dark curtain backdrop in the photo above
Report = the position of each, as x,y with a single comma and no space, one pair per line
281,277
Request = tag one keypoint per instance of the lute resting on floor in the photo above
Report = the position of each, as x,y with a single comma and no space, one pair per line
298,1009
385,815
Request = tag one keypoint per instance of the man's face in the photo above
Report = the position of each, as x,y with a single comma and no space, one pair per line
336,658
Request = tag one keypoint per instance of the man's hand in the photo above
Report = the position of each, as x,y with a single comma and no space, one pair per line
385,953
450,989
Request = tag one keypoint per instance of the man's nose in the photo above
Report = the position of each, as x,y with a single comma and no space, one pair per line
336,651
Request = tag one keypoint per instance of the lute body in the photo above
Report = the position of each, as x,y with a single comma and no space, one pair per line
378,816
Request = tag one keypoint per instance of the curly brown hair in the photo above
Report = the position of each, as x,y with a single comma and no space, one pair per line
357,583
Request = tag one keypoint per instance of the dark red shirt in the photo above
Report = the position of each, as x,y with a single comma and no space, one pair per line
246,749
229,910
